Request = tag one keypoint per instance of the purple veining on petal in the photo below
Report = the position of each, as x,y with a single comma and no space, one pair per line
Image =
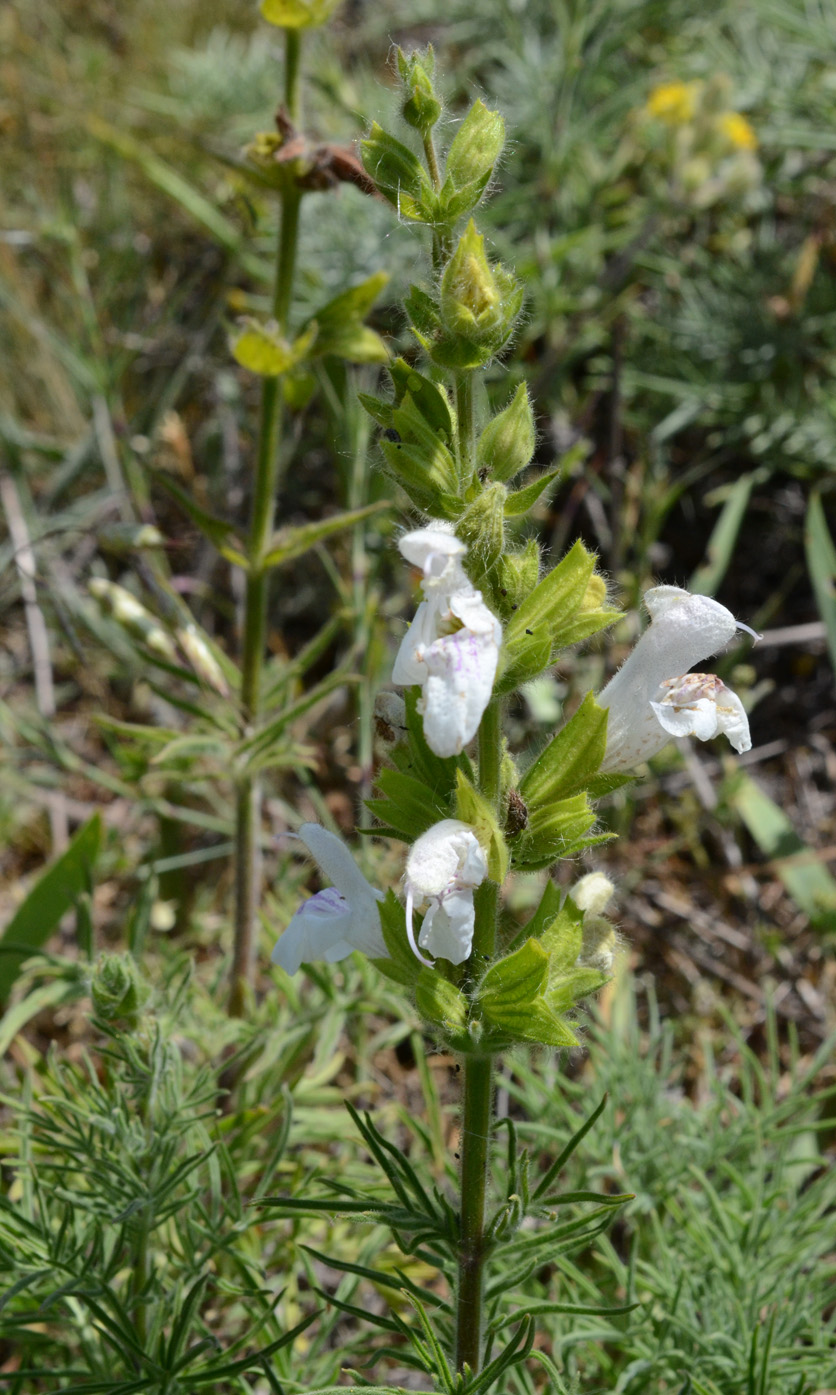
324,903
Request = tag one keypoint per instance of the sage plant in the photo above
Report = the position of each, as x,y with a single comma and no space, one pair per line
490,619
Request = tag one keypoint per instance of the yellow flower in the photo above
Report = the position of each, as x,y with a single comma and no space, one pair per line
738,131
674,102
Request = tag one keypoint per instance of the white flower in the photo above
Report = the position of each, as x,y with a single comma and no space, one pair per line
443,867
333,922
653,697
452,646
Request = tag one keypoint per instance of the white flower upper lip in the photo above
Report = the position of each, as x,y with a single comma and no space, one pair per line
444,866
452,646
652,696
335,921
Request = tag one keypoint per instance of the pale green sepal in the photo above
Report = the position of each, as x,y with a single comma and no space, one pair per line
428,397
513,579
562,939
555,831
298,14
507,443
442,1004
520,501
517,979
482,525
571,759
569,989
555,602
413,427
532,1022
476,147
474,809
401,966
407,463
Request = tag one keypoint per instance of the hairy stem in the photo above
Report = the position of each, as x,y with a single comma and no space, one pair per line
466,425
263,509
476,1126
478,1092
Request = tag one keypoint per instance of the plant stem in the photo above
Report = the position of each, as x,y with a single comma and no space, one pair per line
466,427
263,509
476,1125
478,1090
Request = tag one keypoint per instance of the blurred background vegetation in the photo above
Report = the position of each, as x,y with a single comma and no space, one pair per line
668,195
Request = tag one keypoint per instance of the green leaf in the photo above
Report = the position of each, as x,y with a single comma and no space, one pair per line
800,867
289,543
398,174
225,232
261,349
352,304
378,410
220,533
339,328
476,147
55,893
402,966
474,809
408,805
821,560
571,758
437,773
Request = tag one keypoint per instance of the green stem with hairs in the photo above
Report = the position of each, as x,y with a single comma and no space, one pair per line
478,1070
466,424
265,491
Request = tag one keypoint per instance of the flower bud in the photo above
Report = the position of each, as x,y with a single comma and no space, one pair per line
593,893
482,525
478,302
202,659
517,574
507,442
117,990
128,612
421,108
